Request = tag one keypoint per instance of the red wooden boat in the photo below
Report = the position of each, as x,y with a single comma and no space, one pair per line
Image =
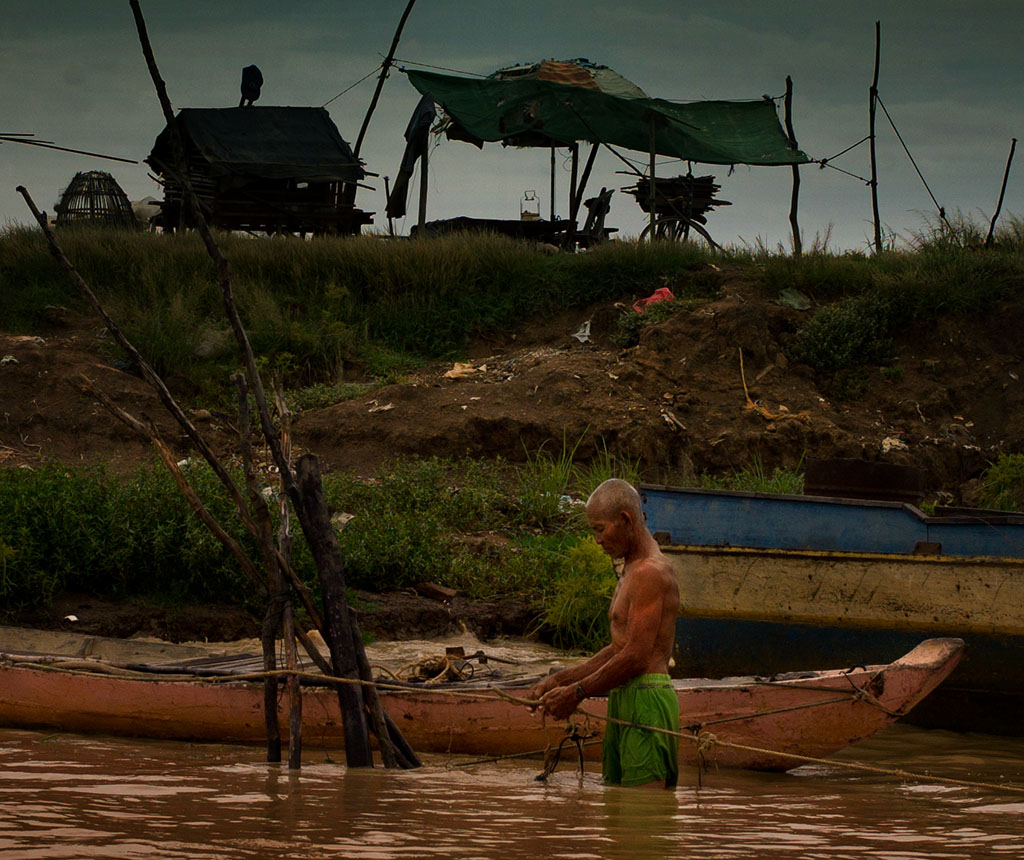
757,723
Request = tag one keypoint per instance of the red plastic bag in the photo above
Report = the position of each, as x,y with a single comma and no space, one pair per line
662,294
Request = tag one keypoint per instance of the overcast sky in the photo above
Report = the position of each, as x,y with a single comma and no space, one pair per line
952,76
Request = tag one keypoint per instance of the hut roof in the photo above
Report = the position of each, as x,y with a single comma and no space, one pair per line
262,142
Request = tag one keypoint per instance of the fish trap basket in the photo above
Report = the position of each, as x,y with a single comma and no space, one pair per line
95,198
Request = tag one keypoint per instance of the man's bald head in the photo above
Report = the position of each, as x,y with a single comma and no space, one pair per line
613,497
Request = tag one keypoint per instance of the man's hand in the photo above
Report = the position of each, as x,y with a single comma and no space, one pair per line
561,702
537,691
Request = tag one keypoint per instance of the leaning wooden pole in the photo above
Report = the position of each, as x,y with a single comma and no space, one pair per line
872,107
284,545
385,67
323,546
1002,192
310,507
794,201
421,219
581,185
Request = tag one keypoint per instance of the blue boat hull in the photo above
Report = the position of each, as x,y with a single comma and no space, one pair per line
773,583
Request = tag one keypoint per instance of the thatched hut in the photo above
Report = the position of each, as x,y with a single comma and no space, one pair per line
268,169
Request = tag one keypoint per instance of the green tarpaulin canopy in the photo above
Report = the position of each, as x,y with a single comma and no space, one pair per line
534,112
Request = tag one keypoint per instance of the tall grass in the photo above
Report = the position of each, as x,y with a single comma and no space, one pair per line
313,306
310,306
755,478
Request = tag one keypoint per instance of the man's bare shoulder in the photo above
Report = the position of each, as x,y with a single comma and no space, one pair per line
655,571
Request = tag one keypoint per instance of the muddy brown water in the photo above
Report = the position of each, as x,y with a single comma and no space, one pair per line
73,796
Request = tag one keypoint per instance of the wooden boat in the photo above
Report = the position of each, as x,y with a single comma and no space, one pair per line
770,582
758,723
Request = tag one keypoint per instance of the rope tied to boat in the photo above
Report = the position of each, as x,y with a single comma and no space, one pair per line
704,741
575,734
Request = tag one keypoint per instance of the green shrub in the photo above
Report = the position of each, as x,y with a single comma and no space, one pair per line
576,613
843,336
1002,485
86,530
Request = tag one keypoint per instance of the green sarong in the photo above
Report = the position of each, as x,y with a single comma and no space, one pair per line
633,755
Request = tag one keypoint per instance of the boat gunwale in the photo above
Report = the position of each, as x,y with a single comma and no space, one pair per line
782,552
981,516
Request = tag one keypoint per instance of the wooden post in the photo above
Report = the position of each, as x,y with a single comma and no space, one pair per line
387,205
291,661
873,92
552,207
573,177
798,245
284,545
582,184
1002,191
323,546
384,69
349,191
424,171
652,196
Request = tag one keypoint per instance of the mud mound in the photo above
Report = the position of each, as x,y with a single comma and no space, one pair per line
952,402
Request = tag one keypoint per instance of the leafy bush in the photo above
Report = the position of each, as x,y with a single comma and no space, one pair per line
843,336
1002,485
576,613
84,529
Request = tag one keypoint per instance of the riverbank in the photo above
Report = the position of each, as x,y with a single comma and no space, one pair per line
487,388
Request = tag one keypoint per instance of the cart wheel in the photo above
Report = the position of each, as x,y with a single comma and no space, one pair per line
674,229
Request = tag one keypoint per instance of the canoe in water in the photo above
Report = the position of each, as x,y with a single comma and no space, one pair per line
749,722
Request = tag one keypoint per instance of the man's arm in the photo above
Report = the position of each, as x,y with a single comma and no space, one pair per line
620,664
571,674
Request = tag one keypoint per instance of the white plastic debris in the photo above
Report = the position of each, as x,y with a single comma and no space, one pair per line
342,519
893,443
582,334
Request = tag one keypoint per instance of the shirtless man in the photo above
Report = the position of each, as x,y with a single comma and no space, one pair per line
633,669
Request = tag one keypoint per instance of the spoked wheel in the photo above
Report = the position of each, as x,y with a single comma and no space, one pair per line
671,228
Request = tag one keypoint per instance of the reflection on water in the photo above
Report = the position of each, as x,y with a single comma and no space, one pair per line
65,796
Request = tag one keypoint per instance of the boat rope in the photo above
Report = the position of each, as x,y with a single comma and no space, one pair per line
510,756
703,740
573,735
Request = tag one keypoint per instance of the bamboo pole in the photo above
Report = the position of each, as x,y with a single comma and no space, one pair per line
552,207
794,223
872,106
652,196
1002,191
582,184
284,545
384,69
387,206
573,178
276,588
424,171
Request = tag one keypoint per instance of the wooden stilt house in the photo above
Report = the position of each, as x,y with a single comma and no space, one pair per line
266,169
